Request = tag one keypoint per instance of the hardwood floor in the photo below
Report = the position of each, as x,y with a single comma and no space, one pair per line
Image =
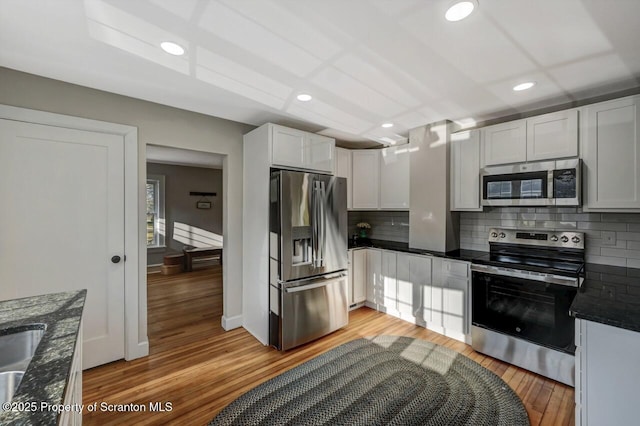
199,368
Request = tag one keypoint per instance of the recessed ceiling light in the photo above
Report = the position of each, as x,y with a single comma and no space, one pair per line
524,86
387,125
303,97
172,48
460,10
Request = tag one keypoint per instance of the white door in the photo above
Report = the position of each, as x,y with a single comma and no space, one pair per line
61,221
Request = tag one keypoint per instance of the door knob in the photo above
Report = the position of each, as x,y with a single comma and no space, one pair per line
115,259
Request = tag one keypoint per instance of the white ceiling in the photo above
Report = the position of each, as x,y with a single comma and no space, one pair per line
365,62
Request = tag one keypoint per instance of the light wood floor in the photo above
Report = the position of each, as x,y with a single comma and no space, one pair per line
199,368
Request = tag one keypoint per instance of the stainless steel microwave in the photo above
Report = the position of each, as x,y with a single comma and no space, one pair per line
543,183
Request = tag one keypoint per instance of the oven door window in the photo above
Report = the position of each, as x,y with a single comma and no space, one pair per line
531,310
515,186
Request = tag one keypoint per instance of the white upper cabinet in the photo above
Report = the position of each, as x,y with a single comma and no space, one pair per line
543,137
553,135
301,150
343,169
505,143
320,153
394,178
465,171
366,178
380,178
611,154
287,146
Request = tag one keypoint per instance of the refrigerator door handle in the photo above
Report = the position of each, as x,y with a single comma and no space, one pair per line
323,283
316,202
323,221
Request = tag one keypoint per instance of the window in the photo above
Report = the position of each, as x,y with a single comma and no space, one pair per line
155,211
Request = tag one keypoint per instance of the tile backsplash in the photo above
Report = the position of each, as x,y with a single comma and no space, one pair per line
610,238
385,225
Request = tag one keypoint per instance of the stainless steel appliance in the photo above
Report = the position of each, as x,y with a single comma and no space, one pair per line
521,294
308,257
544,183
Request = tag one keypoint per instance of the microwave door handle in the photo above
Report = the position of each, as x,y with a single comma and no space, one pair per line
550,185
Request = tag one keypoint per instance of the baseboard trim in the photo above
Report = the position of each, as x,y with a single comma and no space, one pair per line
229,323
139,351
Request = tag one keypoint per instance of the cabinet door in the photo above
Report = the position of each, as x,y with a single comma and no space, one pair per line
288,147
374,276
366,178
319,152
505,143
394,178
359,266
611,371
612,154
432,300
553,135
350,280
465,170
414,282
454,305
343,169
389,294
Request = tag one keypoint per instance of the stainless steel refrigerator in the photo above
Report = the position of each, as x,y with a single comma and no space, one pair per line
308,257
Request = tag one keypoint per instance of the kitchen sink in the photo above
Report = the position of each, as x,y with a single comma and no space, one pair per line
9,381
16,351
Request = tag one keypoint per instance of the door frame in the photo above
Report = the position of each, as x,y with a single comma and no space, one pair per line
136,343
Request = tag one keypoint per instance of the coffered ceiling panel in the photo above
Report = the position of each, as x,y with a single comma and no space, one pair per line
364,62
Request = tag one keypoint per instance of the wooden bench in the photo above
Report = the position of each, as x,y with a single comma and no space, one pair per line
172,264
200,253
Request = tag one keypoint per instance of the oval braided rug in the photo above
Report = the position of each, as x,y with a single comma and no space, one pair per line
382,380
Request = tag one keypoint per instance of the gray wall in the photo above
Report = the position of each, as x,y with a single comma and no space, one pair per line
624,227
385,225
159,125
181,207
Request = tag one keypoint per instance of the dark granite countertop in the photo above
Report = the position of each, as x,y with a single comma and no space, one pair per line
45,379
465,255
609,295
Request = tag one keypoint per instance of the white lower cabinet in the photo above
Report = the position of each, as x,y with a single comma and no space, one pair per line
425,290
607,374
374,282
389,296
414,282
357,276
73,393
450,299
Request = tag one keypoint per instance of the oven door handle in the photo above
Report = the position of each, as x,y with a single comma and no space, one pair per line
526,275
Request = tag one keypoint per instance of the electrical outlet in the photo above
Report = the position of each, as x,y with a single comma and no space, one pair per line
609,238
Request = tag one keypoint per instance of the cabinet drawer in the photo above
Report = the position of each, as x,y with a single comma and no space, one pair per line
455,269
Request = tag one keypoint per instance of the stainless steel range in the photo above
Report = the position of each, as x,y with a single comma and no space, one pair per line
521,294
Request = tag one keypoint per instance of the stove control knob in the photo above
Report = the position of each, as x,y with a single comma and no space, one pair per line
494,234
554,238
564,238
502,235
575,239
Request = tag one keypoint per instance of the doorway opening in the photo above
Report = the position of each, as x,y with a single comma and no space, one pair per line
184,233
